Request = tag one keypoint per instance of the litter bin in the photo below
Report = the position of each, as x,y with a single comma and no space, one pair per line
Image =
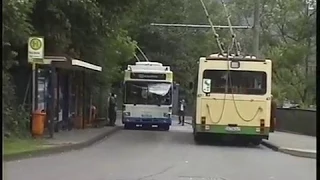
38,121
78,122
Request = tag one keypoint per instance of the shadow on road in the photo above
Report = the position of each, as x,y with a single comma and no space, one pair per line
183,138
186,138
220,142
146,128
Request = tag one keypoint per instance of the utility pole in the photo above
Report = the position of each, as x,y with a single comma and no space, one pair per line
256,29
34,68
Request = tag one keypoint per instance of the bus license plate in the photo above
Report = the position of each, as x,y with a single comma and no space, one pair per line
233,129
146,116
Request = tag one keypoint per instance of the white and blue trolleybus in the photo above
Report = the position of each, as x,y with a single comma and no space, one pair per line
147,95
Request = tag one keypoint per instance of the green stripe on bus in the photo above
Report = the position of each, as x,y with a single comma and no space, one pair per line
222,129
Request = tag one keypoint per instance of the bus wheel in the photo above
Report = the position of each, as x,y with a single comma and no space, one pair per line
256,142
165,127
127,126
197,138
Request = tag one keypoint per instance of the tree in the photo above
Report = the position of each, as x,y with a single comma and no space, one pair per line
87,29
16,30
288,38
178,47
294,52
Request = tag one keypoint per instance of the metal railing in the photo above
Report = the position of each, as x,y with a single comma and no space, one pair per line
299,121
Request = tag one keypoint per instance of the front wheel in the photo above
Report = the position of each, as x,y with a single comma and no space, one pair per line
127,126
256,142
197,138
165,127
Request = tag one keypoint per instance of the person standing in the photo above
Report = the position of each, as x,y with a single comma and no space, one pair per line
112,109
182,108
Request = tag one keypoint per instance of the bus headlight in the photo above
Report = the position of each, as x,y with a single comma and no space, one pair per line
126,113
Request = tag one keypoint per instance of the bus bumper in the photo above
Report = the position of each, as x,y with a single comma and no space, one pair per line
222,130
147,121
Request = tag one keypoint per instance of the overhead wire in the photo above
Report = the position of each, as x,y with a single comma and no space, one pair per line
220,46
233,44
233,35
216,35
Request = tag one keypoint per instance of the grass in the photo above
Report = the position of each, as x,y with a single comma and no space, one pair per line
17,145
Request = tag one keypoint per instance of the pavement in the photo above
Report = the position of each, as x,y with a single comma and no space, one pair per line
162,155
66,141
293,144
288,143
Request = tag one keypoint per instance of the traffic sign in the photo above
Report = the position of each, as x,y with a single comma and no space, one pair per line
35,49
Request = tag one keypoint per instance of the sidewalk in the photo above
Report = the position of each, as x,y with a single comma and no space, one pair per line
187,119
66,141
76,136
293,144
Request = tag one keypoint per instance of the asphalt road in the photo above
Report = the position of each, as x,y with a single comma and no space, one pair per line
160,155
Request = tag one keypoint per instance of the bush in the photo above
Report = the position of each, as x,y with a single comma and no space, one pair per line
14,116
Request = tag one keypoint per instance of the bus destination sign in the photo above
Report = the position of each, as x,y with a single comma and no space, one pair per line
148,76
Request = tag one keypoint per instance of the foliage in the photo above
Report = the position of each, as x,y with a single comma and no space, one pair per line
14,145
16,29
86,29
178,47
14,116
287,37
294,52
105,32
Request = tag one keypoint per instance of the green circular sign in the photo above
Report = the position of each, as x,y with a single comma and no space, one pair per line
35,44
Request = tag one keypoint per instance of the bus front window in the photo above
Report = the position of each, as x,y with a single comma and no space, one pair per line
148,93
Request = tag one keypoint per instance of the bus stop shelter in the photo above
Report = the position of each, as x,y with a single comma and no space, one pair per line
60,92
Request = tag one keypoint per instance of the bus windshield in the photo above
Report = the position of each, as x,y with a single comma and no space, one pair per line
240,82
148,93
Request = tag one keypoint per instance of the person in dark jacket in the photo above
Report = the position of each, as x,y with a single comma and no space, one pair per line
182,108
112,109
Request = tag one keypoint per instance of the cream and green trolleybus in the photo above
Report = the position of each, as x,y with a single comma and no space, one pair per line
233,97
147,97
